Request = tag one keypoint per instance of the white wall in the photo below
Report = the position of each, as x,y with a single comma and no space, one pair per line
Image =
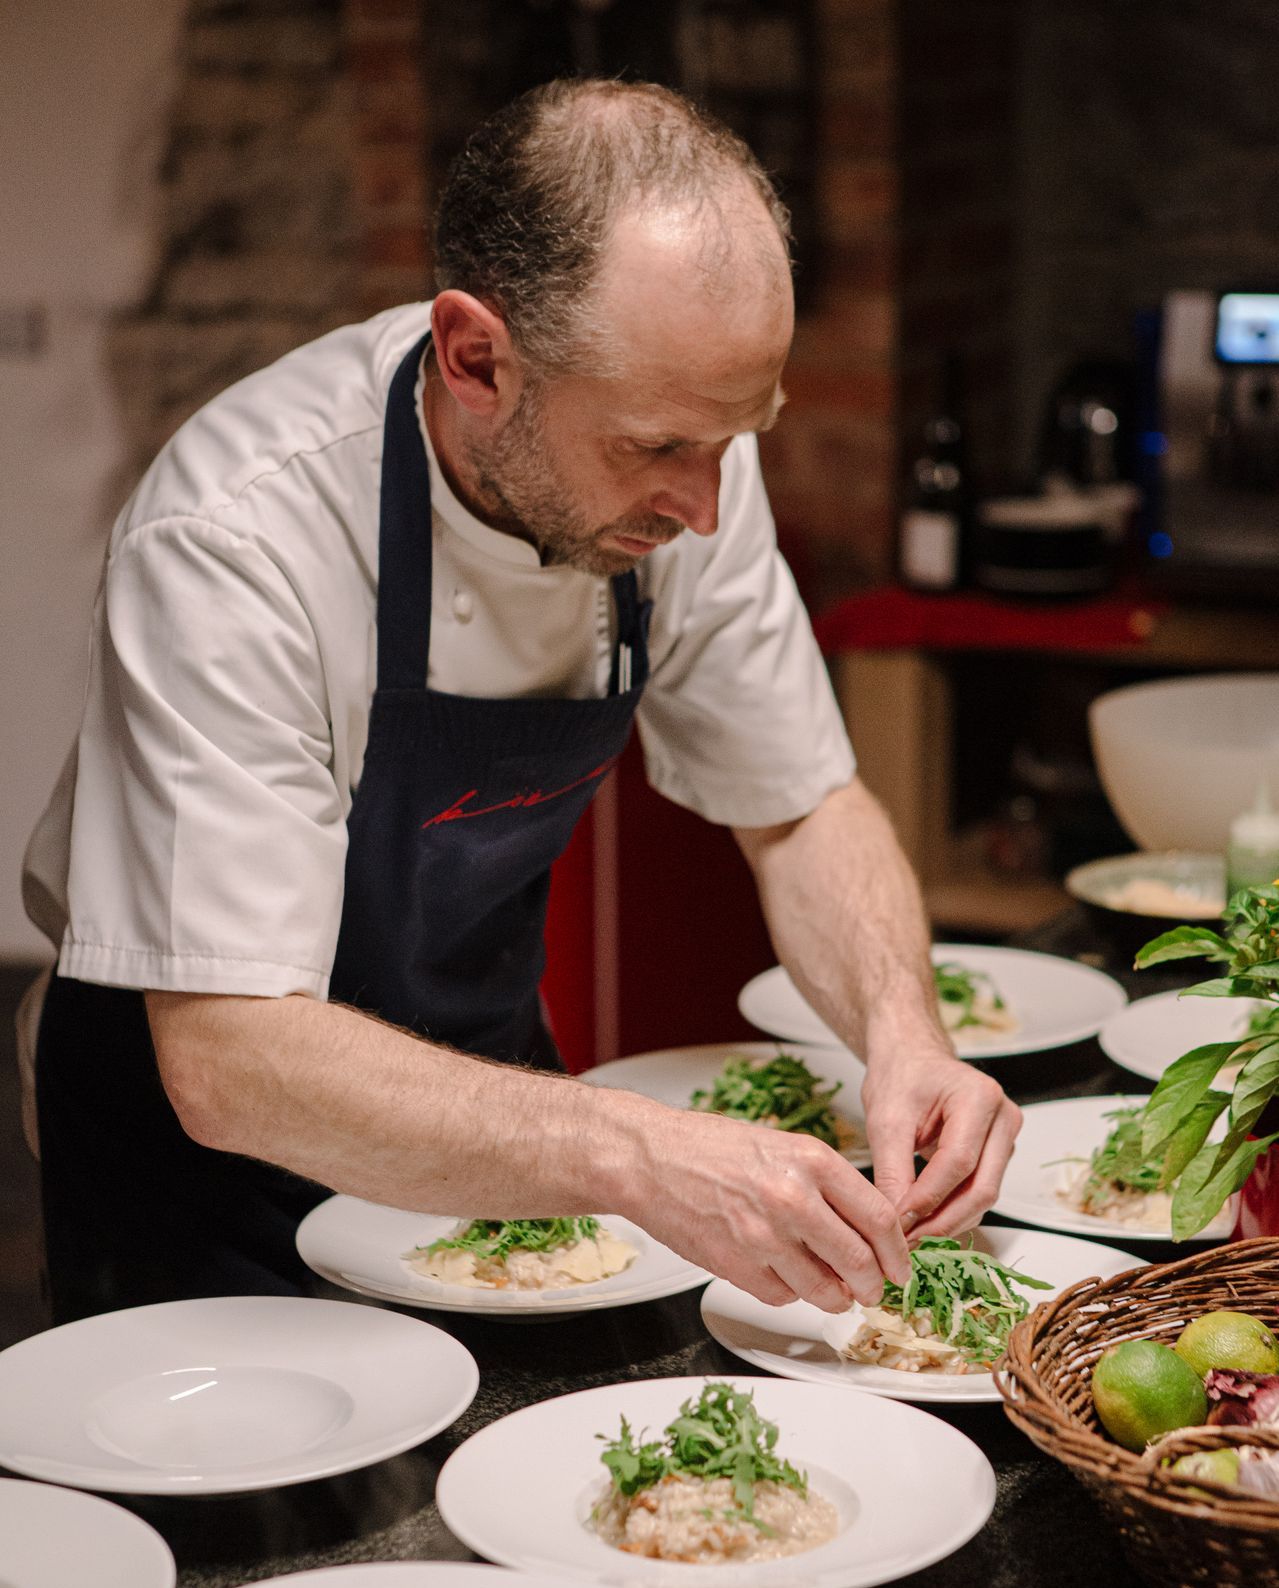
84,87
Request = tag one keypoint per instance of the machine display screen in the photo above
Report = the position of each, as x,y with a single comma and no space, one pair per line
1247,328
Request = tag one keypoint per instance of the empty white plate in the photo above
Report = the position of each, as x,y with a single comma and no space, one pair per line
793,1340
227,1394
1072,1128
1151,1032
672,1075
909,1488
60,1538
410,1574
1057,1001
361,1245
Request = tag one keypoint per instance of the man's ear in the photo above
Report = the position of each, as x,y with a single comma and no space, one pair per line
474,354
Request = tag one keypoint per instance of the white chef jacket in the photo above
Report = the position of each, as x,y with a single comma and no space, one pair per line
196,840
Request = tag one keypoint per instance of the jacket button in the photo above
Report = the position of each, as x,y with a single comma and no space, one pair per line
463,606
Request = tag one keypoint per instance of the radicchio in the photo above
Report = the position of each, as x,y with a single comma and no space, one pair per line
1245,1399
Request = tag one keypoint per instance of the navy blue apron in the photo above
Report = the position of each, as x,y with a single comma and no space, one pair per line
462,806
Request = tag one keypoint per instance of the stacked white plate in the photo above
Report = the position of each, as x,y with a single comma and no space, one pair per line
226,1395
1055,1001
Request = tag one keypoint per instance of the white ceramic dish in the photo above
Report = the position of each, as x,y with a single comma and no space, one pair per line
672,1075
1180,758
411,1574
1151,1032
226,1395
909,1488
361,1245
59,1538
1072,1127
1057,1001
795,1340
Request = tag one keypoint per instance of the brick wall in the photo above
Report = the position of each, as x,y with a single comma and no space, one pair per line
256,246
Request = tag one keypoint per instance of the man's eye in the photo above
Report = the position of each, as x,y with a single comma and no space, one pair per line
659,449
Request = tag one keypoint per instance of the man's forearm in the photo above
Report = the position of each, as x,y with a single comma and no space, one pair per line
847,921
368,1109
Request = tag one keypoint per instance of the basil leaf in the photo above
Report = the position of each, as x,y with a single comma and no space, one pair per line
1190,1135
1256,1085
1183,942
1203,1189
1219,987
1180,1088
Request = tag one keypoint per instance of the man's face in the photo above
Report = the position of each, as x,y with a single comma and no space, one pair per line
599,470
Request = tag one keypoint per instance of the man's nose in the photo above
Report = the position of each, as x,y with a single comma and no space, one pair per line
689,493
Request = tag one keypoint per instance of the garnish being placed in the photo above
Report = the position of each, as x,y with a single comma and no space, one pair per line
953,1316
711,1490
782,1093
1120,1181
1183,1108
969,1002
524,1254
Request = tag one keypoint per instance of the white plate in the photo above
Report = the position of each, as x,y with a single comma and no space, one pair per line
1151,1032
228,1394
59,1538
909,1488
407,1574
672,1075
361,1245
1072,1127
792,1340
1058,1001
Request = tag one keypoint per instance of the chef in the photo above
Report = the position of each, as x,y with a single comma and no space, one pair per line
373,629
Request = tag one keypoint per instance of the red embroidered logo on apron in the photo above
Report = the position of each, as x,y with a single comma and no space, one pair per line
457,812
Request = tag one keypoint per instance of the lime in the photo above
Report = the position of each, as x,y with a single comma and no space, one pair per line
1233,1340
1142,1389
1222,1466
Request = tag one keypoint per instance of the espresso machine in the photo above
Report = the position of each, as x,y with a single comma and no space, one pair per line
1213,529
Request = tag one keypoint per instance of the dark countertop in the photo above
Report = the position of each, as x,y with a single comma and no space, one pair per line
1045,1529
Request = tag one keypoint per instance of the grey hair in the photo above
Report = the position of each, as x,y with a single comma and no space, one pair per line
530,203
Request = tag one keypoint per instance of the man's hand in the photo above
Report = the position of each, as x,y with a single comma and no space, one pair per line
957,1118
779,1215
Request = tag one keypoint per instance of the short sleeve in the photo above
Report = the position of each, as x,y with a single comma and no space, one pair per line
739,722
208,842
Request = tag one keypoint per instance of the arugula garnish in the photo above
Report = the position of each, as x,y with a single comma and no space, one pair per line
782,1089
495,1238
956,984
1183,1107
1121,1160
946,1279
721,1435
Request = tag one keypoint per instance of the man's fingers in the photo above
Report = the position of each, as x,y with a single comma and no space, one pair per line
815,1281
892,1150
863,1241
965,1206
959,1151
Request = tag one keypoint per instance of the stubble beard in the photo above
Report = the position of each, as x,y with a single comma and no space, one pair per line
518,479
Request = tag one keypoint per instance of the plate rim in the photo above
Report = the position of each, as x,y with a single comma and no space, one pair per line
1012,1048
1168,996
682,1386
575,1301
932,1385
135,1527
1100,1226
461,1375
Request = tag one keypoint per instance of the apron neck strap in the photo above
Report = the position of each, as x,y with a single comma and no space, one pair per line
404,555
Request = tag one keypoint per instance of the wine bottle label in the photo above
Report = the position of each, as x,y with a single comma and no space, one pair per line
929,548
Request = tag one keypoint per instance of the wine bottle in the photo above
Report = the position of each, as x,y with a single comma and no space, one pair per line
932,547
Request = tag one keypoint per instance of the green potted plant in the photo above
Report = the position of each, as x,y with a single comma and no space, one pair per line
1181,1112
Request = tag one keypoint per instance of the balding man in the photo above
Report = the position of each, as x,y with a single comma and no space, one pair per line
373,628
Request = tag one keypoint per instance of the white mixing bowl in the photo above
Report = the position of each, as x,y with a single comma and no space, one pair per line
1180,758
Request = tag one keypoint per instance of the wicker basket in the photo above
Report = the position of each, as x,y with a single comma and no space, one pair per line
1176,1530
